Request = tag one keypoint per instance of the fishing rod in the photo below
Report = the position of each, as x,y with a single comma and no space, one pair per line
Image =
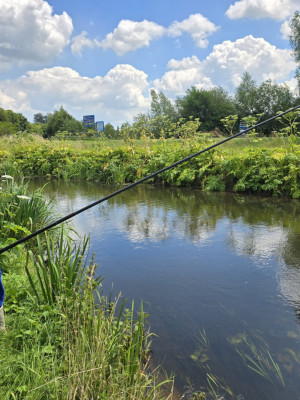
146,178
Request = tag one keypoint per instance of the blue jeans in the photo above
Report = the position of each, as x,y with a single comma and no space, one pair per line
2,293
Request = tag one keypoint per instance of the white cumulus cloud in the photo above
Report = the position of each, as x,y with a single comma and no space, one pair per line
124,91
81,41
198,26
225,65
115,97
131,35
229,60
182,75
30,32
285,29
275,9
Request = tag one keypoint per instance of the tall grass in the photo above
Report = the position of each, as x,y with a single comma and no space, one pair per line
57,268
20,212
74,344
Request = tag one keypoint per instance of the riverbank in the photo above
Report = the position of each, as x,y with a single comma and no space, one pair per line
62,341
269,166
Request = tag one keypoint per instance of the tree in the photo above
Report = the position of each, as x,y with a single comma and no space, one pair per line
161,106
40,118
109,131
264,100
295,41
163,114
246,96
7,129
141,125
210,106
19,122
3,116
61,121
271,98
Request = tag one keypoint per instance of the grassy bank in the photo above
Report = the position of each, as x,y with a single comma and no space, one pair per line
64,340
269,165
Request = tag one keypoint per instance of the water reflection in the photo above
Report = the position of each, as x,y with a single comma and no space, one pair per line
224,264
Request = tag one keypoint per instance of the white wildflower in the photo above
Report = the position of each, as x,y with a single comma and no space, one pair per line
23,197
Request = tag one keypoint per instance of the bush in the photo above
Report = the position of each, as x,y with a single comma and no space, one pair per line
7,128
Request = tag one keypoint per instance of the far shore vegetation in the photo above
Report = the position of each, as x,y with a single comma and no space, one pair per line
264,161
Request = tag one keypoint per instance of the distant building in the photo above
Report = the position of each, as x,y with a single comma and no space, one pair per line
243,126
88,122
100,126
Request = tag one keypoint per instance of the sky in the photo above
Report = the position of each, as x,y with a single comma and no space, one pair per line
103,57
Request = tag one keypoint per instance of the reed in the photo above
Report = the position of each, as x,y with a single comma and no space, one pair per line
259,360
21,212
68,341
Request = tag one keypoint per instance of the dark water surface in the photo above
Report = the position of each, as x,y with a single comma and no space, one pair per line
219,274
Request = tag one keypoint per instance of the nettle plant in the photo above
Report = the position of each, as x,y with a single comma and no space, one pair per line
290,127
229,123
252,120
290,123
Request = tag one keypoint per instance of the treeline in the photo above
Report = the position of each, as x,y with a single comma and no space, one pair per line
214,110
47,125
205,110
11,122
59,121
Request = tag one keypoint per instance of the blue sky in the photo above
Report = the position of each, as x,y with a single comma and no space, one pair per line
103,58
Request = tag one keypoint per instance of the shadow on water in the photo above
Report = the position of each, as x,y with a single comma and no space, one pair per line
219,274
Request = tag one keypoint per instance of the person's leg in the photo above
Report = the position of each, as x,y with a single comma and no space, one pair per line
2,295
2,321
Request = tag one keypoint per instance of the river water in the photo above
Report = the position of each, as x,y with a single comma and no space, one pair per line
219,274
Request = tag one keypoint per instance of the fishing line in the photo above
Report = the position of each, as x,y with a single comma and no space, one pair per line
146,178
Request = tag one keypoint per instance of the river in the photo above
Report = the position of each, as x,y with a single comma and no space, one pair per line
219,274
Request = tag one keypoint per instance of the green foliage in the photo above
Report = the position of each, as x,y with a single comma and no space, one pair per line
20,214
229,123
245,96
110,132
251,120
187,129
61,120
265,99
7,128
74,349
272,97
37,128
16,120
273,171
58,267
210,106
161,106
290,123
40,118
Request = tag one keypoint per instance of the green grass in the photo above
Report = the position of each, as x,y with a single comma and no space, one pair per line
12,143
